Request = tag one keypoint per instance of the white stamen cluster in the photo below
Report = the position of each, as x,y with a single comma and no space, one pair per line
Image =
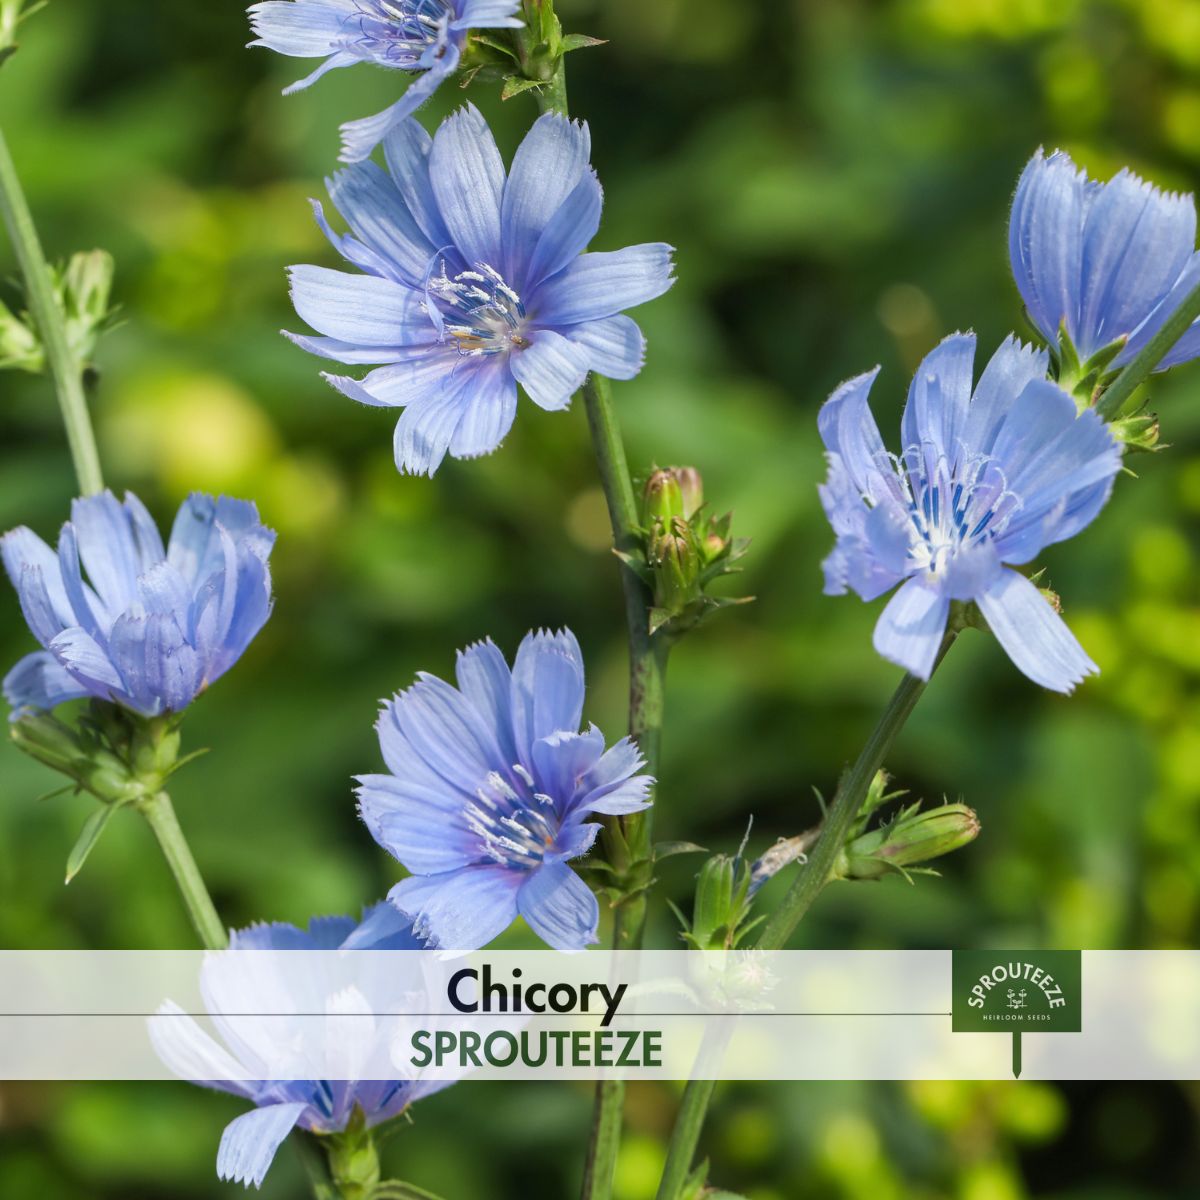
486,315
512,830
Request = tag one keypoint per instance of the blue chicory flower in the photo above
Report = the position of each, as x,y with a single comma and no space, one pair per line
983,483
490,787
153,627
250,1141
473,283
1106,260
422,37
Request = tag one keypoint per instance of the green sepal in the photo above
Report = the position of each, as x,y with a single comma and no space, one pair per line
514,85
395,1189
693,1187
93,827
670,849
353,1161
581,41
1138,432
494,43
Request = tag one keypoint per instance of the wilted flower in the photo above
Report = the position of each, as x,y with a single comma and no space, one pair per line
423,37
474,283
982,481
249,1142
1106,260
490,787
152,627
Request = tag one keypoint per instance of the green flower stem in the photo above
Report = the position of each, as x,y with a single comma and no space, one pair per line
47,315
552,95
851,793
685,1137
647,653
831,837
647,677
607,1112
160,814
689,1121
1137,371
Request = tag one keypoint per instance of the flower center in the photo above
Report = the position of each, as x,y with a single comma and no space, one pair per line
515,823
952,505
398,31
482,313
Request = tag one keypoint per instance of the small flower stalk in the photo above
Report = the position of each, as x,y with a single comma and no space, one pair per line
685,551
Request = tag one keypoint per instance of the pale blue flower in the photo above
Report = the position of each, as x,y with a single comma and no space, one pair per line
250,1141
473,282
982,483
423,37
490,789
151,627
1107,260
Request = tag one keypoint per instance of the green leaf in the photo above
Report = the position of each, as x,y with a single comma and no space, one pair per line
514,85
93,827
667,849
492,43
693,1187
581,41
394,1189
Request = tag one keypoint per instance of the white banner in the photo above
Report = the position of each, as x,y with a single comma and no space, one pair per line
653,1014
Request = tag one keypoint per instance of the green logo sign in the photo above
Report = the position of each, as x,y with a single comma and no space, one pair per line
1017,991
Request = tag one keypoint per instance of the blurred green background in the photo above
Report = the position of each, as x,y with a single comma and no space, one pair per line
836,177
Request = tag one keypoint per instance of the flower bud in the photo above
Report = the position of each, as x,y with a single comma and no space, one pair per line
662,497
1137,432
85,288
913,838
672,492
19,346
676,564
691,486
721,905
47,739
353,1159
12,13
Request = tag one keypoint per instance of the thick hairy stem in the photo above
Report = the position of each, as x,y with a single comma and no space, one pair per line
47,315
160,813
1138,370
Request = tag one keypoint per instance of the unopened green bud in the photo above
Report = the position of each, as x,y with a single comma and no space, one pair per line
86,287
672,492
353,1159
662,497
676,564
46,738
19,346
1137,432
12,13
913,838
722,903
691,486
